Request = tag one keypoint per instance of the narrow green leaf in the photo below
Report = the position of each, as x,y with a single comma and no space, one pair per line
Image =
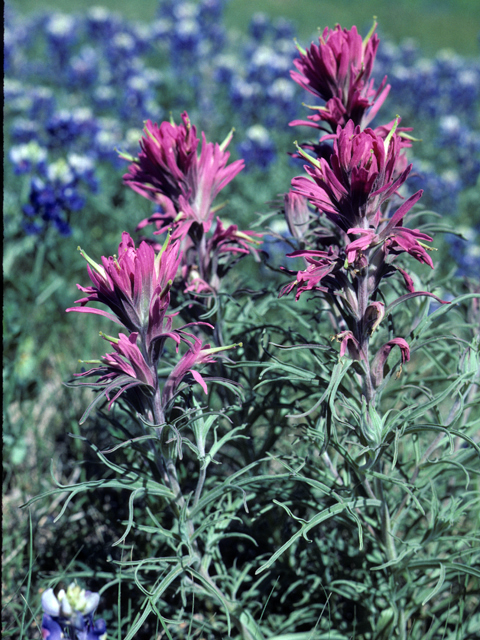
326,514
130,515
438,586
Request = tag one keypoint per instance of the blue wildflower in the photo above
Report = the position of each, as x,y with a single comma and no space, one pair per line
258,148
28,157
70,614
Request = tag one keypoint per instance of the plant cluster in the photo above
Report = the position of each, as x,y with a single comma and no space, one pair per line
290,454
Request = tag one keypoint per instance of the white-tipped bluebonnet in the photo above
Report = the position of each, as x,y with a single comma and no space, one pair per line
247,98
27,158
61,31
42,102
83,69
260,26
138,101
210,14
83,170
101,24
225,67
257,149
281,106
283,29
160,30
266,65
441,189
58,193
65,128
34,103
24,130
69,614
107,139
465,251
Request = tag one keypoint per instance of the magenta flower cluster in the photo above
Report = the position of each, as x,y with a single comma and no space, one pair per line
135,288
170,172
347,214
338,71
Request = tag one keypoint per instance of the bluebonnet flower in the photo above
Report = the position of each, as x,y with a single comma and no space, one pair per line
283,29
441,189
257,149
101,24
69,614
463,146
83,169
61,32
465,251
266,65
12,55
105,141
27,158
160,30
247,98
260,26
166,9
24,130
104,97
83,69
281,106
13,92
225,67
65,128
42,102
210,14
185,39
34,103
57,193
121,53
138,100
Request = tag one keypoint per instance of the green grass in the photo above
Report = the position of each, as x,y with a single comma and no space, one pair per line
435,24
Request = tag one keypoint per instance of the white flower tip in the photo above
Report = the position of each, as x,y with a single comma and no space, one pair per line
91,601
50,604
66,608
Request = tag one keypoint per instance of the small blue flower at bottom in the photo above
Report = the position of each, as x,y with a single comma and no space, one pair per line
70,615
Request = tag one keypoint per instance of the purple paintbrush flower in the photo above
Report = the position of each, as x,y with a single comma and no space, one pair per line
122,370
135,286
360,176
379,361
392,237
338,70
169,171
198,354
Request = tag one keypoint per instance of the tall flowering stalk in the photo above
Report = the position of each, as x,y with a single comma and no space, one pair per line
351,191
135,286
349,221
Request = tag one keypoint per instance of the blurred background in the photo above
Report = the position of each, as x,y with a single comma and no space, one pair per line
435,24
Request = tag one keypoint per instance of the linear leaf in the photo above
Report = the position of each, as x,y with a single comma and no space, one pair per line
330,512
438,586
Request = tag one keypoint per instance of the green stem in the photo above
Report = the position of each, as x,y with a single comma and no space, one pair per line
201,481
